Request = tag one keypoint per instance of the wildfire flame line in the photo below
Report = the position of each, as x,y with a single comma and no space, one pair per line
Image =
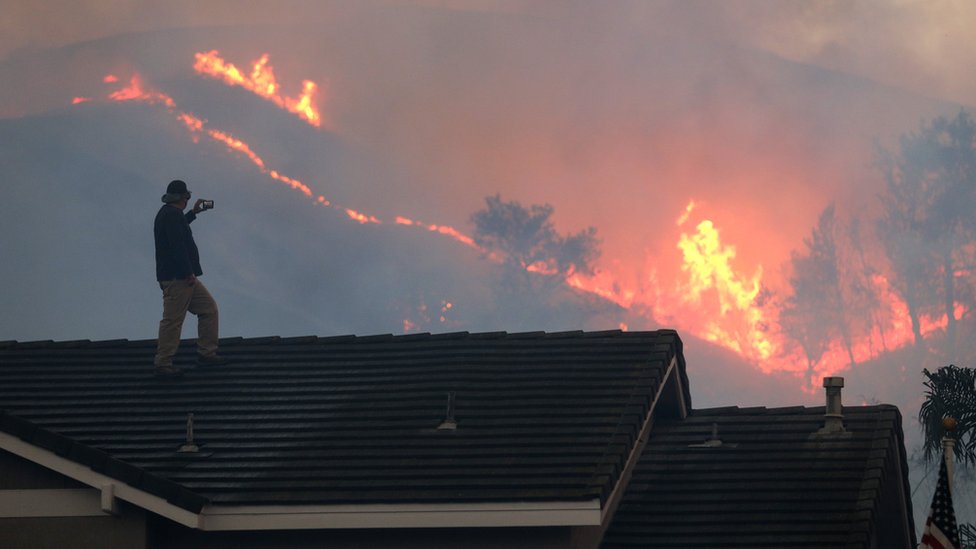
136,91
261,82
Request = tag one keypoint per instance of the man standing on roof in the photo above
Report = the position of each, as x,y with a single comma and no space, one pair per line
177,269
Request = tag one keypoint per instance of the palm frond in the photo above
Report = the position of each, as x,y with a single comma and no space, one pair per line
951,392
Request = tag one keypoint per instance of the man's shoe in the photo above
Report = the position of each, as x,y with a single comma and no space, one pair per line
211,360
168,371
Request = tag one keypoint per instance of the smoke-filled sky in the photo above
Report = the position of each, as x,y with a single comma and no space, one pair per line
641,119
925,46
700,139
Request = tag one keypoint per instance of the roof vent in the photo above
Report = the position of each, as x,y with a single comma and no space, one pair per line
834,415
449,424
711,442
189,447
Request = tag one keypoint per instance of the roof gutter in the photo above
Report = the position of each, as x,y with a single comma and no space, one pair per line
294,517
433,515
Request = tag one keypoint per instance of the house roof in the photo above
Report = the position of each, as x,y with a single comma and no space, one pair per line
350,420
773,482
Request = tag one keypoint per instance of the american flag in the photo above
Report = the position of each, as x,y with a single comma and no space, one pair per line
940,529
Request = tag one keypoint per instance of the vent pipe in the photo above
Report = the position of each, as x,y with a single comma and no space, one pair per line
189,447
834,415
449,423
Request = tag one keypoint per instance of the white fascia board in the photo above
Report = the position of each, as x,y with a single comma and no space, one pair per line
437,515
294,517
85,475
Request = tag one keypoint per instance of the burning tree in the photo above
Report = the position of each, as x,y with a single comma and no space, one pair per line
830,299
534,255
927,226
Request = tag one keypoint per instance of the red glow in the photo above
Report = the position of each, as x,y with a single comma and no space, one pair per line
78,100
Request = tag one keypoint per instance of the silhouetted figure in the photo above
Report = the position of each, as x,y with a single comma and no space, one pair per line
177,269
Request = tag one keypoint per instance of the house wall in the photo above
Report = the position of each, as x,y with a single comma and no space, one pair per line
71,514
76,532
893,526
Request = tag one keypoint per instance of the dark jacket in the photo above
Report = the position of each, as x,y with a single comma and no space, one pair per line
177,256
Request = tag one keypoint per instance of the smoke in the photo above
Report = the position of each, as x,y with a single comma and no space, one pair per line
617,115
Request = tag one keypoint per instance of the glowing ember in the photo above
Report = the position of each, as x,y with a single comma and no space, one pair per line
191,122
110,79
78,100
442,229
361,217
263,83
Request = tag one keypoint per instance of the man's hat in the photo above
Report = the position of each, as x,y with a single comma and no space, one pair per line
175,191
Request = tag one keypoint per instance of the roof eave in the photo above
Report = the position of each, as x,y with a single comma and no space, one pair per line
295,517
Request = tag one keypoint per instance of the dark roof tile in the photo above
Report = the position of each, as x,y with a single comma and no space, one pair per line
348,419
772,483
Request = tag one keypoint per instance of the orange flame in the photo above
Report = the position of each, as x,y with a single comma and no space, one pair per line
713,301
263,83
708,264
135,92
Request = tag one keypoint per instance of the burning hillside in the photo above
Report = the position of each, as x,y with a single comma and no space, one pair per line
701,179
697,286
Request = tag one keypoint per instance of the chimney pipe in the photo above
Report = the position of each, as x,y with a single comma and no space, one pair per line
834,415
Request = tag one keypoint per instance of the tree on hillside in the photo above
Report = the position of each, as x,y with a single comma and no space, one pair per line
534,255
864,295
927,226
951,392
829,300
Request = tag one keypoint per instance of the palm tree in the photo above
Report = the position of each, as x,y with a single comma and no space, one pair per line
951,393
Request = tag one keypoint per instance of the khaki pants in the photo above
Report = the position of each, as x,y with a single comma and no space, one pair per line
178,298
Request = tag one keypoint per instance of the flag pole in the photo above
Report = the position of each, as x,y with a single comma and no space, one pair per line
948,447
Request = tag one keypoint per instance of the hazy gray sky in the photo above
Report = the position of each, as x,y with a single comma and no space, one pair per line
921,45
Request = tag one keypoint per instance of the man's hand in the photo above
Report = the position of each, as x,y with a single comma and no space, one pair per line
192,280
197,206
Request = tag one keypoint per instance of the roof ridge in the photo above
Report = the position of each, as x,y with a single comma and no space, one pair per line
313,339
